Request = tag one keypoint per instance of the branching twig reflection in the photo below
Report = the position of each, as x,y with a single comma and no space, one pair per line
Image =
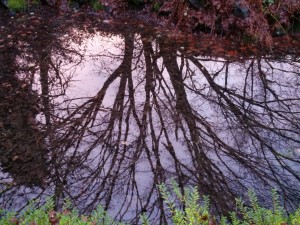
160,114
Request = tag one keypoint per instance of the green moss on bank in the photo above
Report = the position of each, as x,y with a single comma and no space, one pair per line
16,5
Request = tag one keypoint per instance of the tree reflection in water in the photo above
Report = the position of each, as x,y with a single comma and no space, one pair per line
158,113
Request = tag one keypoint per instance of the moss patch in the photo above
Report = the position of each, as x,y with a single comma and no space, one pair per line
16,5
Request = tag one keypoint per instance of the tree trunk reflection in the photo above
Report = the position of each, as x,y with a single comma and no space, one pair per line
160,114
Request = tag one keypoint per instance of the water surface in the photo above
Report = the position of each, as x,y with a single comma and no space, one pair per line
102,117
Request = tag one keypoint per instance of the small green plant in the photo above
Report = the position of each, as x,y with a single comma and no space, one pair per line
96,5
260,215
189,210
255,214
196,210
268,2
144,219
45,215
295,217
16,5
186,208
156,6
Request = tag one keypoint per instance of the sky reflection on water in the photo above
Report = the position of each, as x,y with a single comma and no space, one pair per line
106,117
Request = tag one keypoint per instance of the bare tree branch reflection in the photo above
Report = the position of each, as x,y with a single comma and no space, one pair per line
18,108
159,114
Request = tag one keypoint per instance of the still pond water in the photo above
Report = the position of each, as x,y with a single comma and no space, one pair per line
102,117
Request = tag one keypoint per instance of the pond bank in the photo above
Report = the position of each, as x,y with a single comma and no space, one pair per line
249,21
201,43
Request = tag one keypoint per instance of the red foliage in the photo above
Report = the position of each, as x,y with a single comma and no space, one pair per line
218,17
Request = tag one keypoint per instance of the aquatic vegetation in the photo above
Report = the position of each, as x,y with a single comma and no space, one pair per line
185,208
45,215
192,212
190,208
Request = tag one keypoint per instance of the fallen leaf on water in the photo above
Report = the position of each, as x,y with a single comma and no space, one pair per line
124,143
